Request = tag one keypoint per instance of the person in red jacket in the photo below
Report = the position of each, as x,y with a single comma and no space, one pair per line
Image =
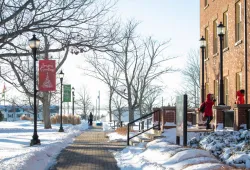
240,97
208,112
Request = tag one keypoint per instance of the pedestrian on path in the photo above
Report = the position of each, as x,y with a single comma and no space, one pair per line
90,120
240,97
208,112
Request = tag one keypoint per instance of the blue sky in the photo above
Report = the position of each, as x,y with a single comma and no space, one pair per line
177,20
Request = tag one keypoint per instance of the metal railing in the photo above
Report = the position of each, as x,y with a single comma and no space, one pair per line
116,124
142,119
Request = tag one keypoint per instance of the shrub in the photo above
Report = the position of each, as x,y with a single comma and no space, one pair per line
58,118
65,119
24,117
123,130
77,120
1,116
53,120
70,119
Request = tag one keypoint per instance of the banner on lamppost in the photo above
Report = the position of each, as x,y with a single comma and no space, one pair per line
47,75
66,93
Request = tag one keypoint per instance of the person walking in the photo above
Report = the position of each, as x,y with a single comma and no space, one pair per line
90,118
240,97
207,109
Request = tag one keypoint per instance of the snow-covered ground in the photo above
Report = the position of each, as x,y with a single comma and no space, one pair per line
15,150
207,151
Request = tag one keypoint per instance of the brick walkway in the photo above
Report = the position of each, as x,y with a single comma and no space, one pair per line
90,151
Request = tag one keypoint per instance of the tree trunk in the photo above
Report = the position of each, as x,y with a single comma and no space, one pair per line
46,111
131,114
119,114
110,109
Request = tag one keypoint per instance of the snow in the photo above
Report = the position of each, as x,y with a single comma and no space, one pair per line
214,150
206,150
169,124
16,152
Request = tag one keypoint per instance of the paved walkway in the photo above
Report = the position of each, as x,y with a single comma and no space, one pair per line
90,151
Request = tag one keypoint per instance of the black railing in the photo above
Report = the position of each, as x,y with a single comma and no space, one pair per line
116,124
142,119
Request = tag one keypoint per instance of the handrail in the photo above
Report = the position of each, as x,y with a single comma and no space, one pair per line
159,118
143,131
142,117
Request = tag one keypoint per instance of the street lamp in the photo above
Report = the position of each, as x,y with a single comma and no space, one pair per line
202,46
61,74
34,45
73,95
221,32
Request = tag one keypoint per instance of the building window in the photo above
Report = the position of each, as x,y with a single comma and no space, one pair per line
225,23
205,3
238,81
226,95
206,37
215,45
237,21
216,91
206,89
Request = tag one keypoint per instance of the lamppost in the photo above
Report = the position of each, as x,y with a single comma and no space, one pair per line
202,46
61,74
34,45
73,95
221,32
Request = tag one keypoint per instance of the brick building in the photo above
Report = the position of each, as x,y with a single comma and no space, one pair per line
232,14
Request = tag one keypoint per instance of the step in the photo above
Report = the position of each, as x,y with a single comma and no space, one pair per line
157,132
153,136
144,139
159,137
133,143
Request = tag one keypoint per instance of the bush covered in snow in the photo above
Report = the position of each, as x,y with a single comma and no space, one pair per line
231,147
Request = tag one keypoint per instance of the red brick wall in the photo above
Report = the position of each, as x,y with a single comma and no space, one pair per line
240,116
234,56
169,115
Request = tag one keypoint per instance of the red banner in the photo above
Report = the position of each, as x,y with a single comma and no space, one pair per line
47,75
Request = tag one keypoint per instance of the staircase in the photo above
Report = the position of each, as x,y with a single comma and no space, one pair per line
137,133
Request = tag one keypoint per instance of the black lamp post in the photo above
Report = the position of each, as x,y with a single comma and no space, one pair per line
61,74
221,33
202,46
73,95
34,45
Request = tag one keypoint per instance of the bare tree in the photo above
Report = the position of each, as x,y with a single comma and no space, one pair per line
191,77
119,106
105,71
65,26
83,101
139,62
150,99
